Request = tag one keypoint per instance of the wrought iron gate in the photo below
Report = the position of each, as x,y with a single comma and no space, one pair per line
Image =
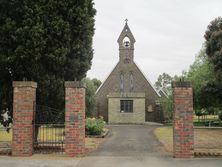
49,131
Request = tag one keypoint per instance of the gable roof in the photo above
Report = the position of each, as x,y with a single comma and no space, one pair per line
106,78
147,80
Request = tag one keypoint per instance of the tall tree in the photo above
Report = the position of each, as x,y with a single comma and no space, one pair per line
200,74
47,42
213,36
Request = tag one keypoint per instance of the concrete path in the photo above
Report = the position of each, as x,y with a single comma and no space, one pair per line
130,140
126,146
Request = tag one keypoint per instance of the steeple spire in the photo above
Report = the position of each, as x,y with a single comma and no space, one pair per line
126,32
126,42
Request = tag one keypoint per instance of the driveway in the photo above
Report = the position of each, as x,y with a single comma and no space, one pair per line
126,146
130,140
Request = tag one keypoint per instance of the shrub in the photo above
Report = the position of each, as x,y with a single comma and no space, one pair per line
94,126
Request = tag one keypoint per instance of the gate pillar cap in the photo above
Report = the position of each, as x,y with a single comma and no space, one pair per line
74,84
184,84
24,84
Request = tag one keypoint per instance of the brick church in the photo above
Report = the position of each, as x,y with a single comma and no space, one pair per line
127,96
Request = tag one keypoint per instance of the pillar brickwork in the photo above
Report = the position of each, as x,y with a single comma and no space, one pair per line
74,118
183,132
24,99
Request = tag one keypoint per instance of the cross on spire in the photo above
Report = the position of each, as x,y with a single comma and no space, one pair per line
126,20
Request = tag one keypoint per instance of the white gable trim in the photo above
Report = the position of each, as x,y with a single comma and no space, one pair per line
161,90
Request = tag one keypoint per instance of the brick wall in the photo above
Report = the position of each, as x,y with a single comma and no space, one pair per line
74,118
24,98
183,133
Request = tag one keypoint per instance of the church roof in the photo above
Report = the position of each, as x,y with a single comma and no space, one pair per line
127,32
106,78
141,73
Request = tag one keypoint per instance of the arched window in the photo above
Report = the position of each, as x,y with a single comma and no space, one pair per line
126,42
121,82
131,81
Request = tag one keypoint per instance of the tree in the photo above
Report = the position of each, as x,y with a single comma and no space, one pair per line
167,104
211,95
91,86
164,83
200,74
47,42
96,82
213,36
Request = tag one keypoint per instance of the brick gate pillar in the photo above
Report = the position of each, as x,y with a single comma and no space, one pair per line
24,99
183,133
74,118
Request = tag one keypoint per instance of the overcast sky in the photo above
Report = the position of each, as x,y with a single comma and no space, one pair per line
168,33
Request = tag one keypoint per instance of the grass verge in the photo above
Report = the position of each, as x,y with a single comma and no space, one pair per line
205,139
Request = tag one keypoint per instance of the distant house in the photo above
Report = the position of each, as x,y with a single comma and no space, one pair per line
127,96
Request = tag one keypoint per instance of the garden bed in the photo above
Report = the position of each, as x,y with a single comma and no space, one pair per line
102,135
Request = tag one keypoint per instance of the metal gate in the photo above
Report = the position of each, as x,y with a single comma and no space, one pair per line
49,130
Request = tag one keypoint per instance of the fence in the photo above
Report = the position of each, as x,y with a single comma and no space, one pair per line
49,138
49,130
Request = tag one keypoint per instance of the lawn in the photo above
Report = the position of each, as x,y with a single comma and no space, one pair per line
165,136
205,140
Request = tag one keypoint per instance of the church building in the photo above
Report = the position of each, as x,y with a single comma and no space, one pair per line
127,96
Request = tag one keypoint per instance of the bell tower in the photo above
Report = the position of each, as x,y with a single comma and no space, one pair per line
126,45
